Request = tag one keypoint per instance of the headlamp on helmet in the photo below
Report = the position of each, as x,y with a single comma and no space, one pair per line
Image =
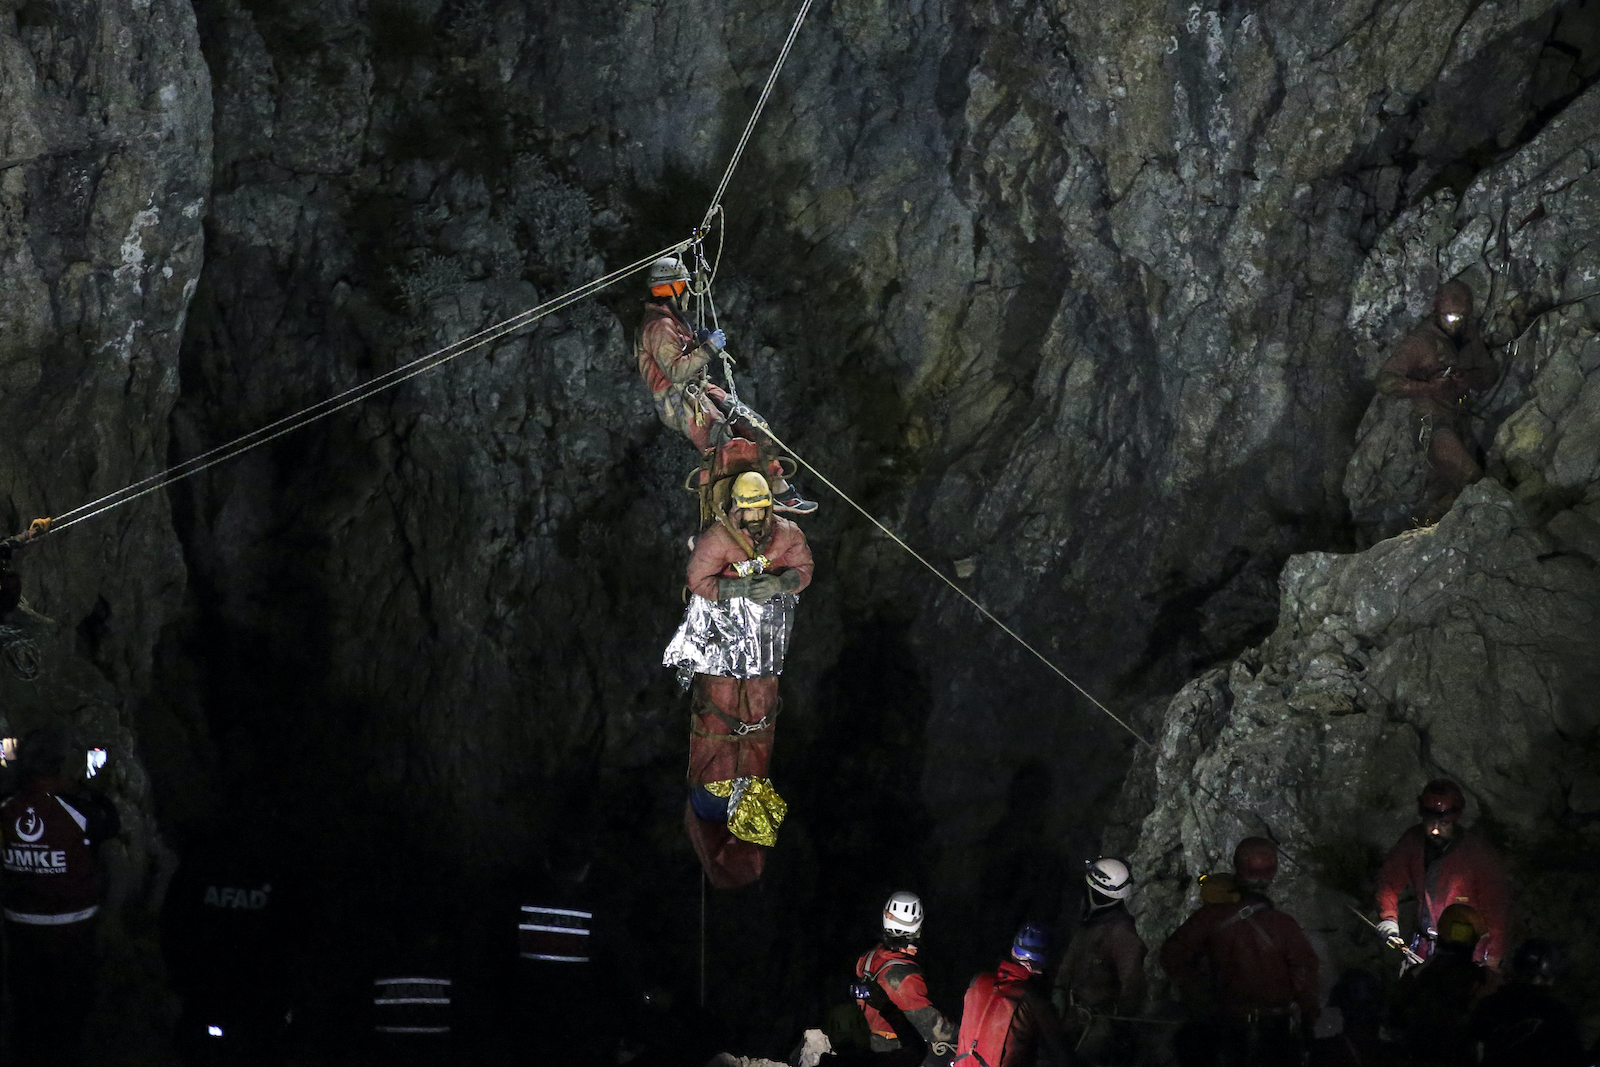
1441,799
1109,877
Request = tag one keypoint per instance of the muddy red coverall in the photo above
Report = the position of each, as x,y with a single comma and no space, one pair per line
670,359
1243,960
1438,373
1468,872
900,975
1005,1022
719,705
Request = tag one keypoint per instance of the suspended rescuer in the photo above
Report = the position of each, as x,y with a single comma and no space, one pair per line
1245,970
1443,863
891,969
672,357
744,579
1006,1019
1439,366
1102,973
52,887
1523,1022
1434,1000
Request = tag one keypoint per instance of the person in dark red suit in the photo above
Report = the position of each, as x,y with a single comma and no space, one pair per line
1006,1019
1444,863
743,580
51,887
1244,969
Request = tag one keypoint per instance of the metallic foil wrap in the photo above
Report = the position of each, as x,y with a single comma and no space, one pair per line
755,810
736,638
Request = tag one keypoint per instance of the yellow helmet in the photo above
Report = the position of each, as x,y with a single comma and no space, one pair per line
750,491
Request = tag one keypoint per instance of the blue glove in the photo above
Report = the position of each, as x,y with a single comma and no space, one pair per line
718,339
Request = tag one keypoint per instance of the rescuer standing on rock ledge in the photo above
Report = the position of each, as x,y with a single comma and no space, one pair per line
1443,863
52,889
1441,363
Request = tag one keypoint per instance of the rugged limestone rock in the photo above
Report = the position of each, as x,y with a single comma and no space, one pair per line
105,167
1468,649
1083,295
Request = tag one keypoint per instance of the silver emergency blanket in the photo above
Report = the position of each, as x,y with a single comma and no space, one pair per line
735,638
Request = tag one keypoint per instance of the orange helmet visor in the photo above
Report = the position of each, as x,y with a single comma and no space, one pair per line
669,289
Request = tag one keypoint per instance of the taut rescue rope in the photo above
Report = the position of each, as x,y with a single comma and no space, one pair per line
354,395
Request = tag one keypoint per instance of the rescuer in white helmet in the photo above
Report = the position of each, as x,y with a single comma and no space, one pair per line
893,980
1102,973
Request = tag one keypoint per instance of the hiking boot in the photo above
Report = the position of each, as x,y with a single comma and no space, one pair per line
790,502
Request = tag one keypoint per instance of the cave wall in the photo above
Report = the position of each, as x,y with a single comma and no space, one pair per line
105,172
1082,293
1467,650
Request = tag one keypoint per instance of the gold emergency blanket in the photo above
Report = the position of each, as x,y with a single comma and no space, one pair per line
755,810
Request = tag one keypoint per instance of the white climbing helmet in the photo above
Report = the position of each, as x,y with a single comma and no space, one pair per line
902,915
667,270
1110,878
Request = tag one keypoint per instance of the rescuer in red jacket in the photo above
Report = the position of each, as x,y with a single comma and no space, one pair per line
51,886
1006,1021
1444,863
893,966
1439,366
672,358
1243,968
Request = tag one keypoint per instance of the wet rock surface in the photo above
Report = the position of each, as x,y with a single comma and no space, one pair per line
1088,298
1466,650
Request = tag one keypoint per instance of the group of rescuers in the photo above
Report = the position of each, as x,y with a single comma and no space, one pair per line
1246,974
1244,969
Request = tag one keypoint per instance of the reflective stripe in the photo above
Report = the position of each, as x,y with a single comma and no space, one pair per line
77,816
556,959
575,930
559,911
412,1029
411,1000
30,919
411,981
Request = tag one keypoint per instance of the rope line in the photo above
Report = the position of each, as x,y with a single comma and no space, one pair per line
749,127
355,394
758,421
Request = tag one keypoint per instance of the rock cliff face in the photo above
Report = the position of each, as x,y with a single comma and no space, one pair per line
1089,295
1466,650
105,170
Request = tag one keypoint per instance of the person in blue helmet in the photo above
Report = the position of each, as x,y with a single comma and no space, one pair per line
1007,1019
